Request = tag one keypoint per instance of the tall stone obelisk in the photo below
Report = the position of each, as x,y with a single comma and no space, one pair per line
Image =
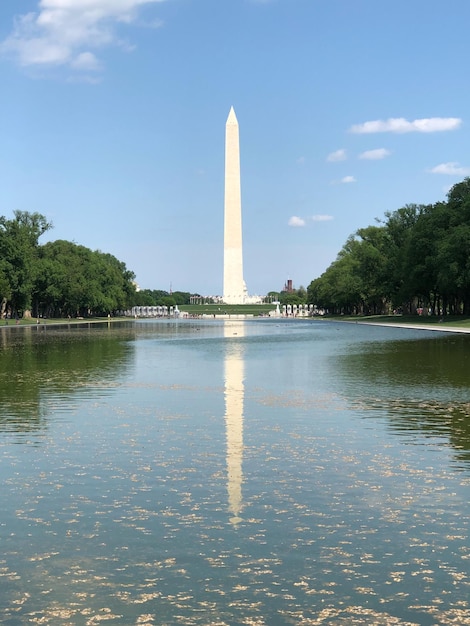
234,286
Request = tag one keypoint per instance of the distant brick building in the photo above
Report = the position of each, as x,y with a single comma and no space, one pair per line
288,286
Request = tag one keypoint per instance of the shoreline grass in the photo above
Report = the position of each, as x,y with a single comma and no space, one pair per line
56,321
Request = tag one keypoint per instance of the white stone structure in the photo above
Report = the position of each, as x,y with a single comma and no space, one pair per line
234,286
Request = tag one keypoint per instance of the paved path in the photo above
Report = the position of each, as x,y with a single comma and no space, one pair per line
442,328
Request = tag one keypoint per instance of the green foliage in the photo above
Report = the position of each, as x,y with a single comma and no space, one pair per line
296,296
59,278
19,253
157,297
73,280
144,297
419,256
167,301
181,297
290,298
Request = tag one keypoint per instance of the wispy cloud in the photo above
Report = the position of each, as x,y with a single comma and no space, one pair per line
300,222
452,169
348,179
67,32
401,125
374,155
322,218
338,155
297,222
86,61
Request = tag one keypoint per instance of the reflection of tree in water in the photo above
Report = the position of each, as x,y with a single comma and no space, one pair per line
42,365
423,385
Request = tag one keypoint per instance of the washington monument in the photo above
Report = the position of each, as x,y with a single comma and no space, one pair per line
234,285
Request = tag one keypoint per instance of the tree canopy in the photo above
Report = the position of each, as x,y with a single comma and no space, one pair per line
58,278
417,257
158,297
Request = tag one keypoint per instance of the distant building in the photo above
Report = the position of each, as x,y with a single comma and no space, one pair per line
288,286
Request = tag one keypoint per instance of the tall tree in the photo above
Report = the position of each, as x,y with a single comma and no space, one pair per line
74,280
19,252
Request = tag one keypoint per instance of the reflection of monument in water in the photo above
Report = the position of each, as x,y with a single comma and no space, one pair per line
234,402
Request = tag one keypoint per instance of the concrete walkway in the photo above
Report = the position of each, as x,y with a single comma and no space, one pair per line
442,328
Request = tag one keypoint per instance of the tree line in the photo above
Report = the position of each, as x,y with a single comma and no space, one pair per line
159,297
59,278
417,257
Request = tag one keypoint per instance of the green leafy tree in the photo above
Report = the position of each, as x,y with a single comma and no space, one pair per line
454,251
370,253
19,254
181,297
296,296
159,296
339,288
399,226
144,297
74,280
420,268
167,301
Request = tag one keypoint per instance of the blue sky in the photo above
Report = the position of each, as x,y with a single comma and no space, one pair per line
112,125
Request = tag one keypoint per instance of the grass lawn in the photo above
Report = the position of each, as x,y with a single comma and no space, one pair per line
227,309
32,321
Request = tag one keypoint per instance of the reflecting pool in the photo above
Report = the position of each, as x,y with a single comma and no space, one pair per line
258,472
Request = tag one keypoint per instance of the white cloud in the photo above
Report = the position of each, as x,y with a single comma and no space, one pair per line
86,61
375,155
348,179
338,155
296,221
322,218
452,169
64,32
401,125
